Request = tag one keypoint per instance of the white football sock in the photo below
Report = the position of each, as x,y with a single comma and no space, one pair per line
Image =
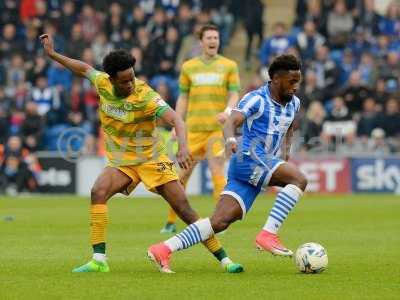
101,257
286,199
195,233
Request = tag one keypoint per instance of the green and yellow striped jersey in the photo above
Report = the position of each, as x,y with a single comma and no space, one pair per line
129,124
207,85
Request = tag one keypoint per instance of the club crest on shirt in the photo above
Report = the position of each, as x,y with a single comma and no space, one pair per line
128,106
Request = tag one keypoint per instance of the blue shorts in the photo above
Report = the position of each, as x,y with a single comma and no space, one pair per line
247,177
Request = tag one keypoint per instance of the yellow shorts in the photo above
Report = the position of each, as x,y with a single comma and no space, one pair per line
206,144
151,173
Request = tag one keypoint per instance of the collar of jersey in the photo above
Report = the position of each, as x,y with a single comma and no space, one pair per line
210,61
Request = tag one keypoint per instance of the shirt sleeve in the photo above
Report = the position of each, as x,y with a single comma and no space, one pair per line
249,105
157,106
233,79
184,81
95,77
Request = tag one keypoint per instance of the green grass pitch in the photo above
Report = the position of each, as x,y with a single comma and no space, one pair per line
42,239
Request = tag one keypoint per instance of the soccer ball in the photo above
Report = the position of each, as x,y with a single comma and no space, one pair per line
311,258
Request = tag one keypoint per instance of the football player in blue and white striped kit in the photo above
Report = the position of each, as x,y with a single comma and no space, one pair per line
266,116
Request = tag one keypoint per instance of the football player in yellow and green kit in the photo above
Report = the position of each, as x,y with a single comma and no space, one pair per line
209,89
128,111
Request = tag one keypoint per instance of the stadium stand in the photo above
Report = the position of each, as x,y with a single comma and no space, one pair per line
350,54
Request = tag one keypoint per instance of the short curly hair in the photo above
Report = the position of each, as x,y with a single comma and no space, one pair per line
116,61
285,62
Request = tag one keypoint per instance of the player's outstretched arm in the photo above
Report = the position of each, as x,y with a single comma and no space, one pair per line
76,66
235,120
173,119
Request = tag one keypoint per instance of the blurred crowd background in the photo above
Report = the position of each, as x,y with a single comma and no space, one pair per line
350,53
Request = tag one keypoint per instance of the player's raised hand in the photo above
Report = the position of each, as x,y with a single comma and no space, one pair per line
184,158
47,43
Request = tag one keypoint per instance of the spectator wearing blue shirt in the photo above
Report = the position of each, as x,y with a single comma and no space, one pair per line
59,76
346,66
309,40
277,44
390,23
359,42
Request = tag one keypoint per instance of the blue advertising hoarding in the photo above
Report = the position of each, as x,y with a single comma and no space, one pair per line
375,175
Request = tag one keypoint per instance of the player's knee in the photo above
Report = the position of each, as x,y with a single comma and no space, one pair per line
98,194
219,224
301,181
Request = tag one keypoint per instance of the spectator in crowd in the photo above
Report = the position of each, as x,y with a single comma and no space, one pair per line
136,19
338,126
369,118
308,41
390,23
368,19
77,44
31,45
347,65
355,93
15,176
90,22
157,25
340,23
310,10
367,69
16,73
14,147
114,23
381,95
38,69
184,22
253,22
359,42
9,42
277,44
68,17
390,122
311,128
4,125
389,70
45,97
59,77
309,90
167,53
32,127
377,144
100,47
127,39
190,46
326,71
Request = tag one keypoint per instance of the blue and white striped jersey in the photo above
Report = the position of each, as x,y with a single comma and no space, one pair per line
266,122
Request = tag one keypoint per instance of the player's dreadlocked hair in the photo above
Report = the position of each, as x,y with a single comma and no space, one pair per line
118,60
285,62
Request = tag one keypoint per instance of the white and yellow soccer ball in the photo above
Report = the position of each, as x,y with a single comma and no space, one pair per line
311,258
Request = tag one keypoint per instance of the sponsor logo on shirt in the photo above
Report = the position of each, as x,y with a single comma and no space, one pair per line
207,79
114,111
